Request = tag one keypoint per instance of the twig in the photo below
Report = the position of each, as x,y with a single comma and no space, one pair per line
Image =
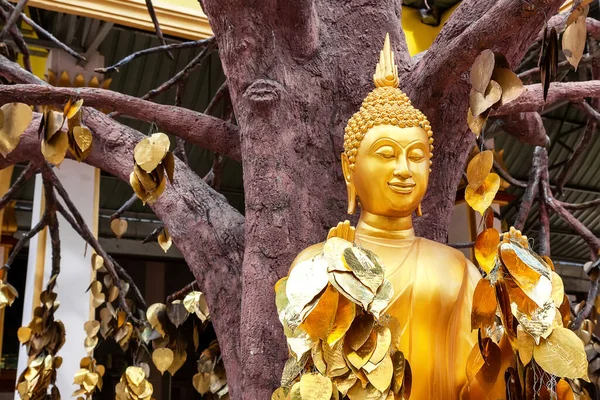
42,32
154,235
180,76
592,241
586,59
51,205
580,206
507,177
181,293
157,26
530,192
124,207
13,18
219,95
152,50
21,180
17,37
42,223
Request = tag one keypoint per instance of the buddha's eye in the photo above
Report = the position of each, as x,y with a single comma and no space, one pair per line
386,152
416,155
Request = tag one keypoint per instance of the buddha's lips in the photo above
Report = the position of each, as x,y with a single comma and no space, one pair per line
402,187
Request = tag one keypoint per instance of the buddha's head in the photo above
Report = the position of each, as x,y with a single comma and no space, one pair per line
388,147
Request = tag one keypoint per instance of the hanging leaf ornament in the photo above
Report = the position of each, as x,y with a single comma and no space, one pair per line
574,38
164,240
493,84
119,227
482,183
527,295
331,307
152,161
14,119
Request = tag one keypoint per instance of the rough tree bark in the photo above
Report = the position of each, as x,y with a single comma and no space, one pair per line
296,71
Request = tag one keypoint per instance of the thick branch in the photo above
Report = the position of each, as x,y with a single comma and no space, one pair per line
532,99
531,191
526,127
203,130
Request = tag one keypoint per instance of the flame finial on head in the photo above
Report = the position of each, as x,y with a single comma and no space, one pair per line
386,73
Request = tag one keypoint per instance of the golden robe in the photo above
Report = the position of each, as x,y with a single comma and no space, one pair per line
433,293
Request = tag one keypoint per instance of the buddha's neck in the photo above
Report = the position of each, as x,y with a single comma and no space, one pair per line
378,226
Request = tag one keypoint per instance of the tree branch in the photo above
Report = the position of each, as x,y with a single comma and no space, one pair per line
574,159
203,130
531,191
152,50
532,99
44,33
124,207
13,18
181,293
159,33
527,127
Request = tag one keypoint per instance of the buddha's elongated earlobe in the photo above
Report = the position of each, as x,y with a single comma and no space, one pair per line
351,199
351,190
419,212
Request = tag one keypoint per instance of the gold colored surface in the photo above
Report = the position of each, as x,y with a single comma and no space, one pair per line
385,163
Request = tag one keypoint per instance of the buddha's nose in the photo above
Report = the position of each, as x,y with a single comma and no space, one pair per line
402,170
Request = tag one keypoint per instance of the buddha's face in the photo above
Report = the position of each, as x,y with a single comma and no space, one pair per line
391,170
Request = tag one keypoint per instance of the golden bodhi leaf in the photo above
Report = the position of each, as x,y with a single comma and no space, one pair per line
97,262
72,108
55,149
279,394
578,11
14,119
486,249
479,168
162,358
306,281
525,344
511,85
381,377
574,39
344,316
315,387
562,354
319,321
83,138
481,198
119,227
480,102
164,239
484,305
482,69
150,151
476,123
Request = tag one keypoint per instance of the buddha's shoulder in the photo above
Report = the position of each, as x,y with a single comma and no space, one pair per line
307,253
433,249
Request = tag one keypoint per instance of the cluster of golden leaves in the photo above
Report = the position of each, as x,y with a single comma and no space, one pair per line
522,289
168,341
55,141
43,337
482,183
134,385
14,119
330,307
153,161
493,85
211,376
575,35
113,321
89,377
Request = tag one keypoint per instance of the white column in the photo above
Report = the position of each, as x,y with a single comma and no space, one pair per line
82,183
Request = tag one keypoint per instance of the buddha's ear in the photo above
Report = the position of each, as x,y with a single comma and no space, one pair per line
349,184
346,169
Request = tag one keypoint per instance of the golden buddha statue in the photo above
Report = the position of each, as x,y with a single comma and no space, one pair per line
386,165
